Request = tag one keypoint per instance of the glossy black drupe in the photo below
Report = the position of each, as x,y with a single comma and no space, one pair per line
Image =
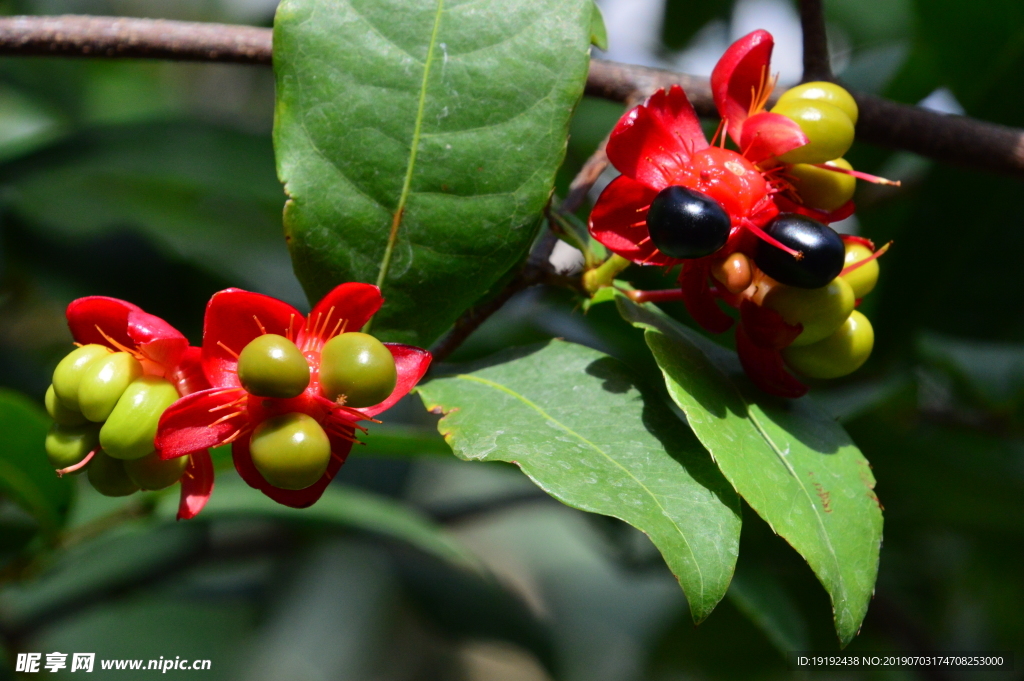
823,252
684,223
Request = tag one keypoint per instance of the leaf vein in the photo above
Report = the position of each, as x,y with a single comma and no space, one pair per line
536,407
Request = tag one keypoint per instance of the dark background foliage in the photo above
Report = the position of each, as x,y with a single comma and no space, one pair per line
155,182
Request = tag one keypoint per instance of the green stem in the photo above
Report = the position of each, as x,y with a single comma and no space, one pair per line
605,274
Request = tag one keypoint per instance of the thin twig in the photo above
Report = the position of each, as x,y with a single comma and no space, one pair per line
817,65
83,36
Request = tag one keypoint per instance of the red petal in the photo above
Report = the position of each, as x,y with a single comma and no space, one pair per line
411,363
765,327
619,221
128,326
788,206
191,424
738,75
769,134
196,485
235,317
640,147
350,304
300,498
765,368
699,300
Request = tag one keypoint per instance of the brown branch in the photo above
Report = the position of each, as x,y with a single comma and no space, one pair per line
536,271
82,36
817,65
625,82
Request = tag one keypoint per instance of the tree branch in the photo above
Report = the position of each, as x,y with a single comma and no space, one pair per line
817,65
83,36
957,140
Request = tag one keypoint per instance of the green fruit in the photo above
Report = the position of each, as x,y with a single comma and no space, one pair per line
68,445
820,310
290,451
359,368
838,355
823,189
828,129
68,375
103,383
863,279
131,427
108,476
152,472
820,91
271,366
61,413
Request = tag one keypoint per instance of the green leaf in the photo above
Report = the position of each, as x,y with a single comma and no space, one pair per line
26,476
796,467
578,425
24,124
197,191
340,505
418,141
598,32
764,600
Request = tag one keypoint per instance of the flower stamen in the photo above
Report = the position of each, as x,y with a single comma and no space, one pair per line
61,472
860,263
874,179
749,224
227,349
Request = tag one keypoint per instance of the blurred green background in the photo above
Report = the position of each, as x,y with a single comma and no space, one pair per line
155,182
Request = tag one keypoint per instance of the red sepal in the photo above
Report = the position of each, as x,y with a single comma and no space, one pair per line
766,135
196,485
765,327
673,111
862,240
699,300
233,318
98,319
191,423
411,363
352,302
765,368
301,498
789,206
619,222
640,146
188,376
738,75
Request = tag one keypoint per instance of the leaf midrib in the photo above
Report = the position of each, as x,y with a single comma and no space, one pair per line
396,220
533,405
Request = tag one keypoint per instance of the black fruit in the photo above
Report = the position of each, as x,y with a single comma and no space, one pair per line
823,252
684,223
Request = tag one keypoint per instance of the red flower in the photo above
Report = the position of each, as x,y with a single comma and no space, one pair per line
163,351
226,413
660,144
